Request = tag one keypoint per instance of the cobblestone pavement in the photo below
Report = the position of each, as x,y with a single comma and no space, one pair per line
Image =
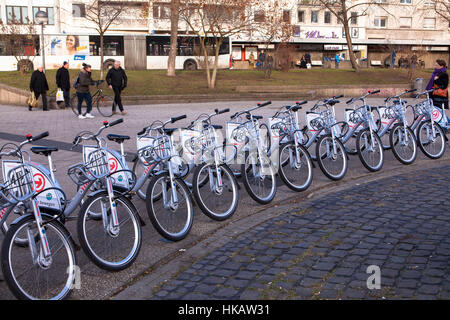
322,249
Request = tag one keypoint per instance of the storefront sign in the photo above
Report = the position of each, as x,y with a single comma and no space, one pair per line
319,33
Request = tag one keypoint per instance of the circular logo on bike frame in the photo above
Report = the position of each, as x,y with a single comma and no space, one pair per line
49,196
113,164
437,115
39,182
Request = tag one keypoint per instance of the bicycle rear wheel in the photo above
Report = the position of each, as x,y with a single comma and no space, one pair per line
74,105
105,105
39,278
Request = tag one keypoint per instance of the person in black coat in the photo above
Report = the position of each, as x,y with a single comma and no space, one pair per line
63,82
117,80
39,85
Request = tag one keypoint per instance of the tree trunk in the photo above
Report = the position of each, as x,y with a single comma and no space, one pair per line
205,55
216,64
348,36
101,56
174,17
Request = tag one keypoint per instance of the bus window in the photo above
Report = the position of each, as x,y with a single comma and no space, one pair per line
112,45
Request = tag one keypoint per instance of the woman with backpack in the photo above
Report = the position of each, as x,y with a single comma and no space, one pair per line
82,84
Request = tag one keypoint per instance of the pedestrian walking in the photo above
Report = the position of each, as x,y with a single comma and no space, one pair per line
262,59
268,66
337,60
117,80
439,82
308,58
63,82
393,55
83,82
39,85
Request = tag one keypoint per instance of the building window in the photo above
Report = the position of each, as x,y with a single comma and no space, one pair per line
260,16
405,1
429,23
354,18
327,17
301,16
405,22
112,45
17,15
78,10
380,22
287,16
161,11
314,16
49,11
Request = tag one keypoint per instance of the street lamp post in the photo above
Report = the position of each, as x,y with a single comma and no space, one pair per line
41,17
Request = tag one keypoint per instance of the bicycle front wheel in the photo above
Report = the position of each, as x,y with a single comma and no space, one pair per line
31,275
105,106
169,207
218,200
259,177
370,150
432,145
109,248
296,172
332,157
403,144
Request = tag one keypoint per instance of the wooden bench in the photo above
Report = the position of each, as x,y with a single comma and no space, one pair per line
375,63
316,63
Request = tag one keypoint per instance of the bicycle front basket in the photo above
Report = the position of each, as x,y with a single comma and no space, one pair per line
19,184
97,163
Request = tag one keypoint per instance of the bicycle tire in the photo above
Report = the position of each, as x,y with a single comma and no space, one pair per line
87,242
395,143
422,143
105,105
361,149
320,159
221,194
8,244
286,178
244,173
153,214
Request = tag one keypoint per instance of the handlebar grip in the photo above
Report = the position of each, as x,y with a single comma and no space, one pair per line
115,122
223,111
264,104
172,120
412,90
40,136
301,103
339,96
140,133
349,101
234,116
376,91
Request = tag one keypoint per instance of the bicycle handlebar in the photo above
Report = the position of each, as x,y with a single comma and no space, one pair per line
175,119
38,137
222,111
259,105
364,96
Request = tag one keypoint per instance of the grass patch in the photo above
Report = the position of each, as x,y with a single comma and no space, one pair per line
155,82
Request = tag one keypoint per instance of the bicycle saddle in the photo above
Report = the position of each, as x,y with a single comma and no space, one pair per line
46,151
254,117
117,138
294,108
169,131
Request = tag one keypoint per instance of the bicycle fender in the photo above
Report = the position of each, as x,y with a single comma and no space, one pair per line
19,219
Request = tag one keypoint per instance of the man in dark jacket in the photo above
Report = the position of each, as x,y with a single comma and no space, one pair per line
117,80
63,82
39,85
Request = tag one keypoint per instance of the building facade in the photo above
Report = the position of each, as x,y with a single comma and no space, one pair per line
406,27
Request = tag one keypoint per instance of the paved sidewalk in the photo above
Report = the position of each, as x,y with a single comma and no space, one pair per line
322,249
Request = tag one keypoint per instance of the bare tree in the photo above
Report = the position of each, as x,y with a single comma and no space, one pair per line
442,8
103,14
214,20
20,40
344,11
174,19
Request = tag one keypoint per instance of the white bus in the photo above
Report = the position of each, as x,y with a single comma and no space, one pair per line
138,52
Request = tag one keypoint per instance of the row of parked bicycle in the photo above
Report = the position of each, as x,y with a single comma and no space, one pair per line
38,252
